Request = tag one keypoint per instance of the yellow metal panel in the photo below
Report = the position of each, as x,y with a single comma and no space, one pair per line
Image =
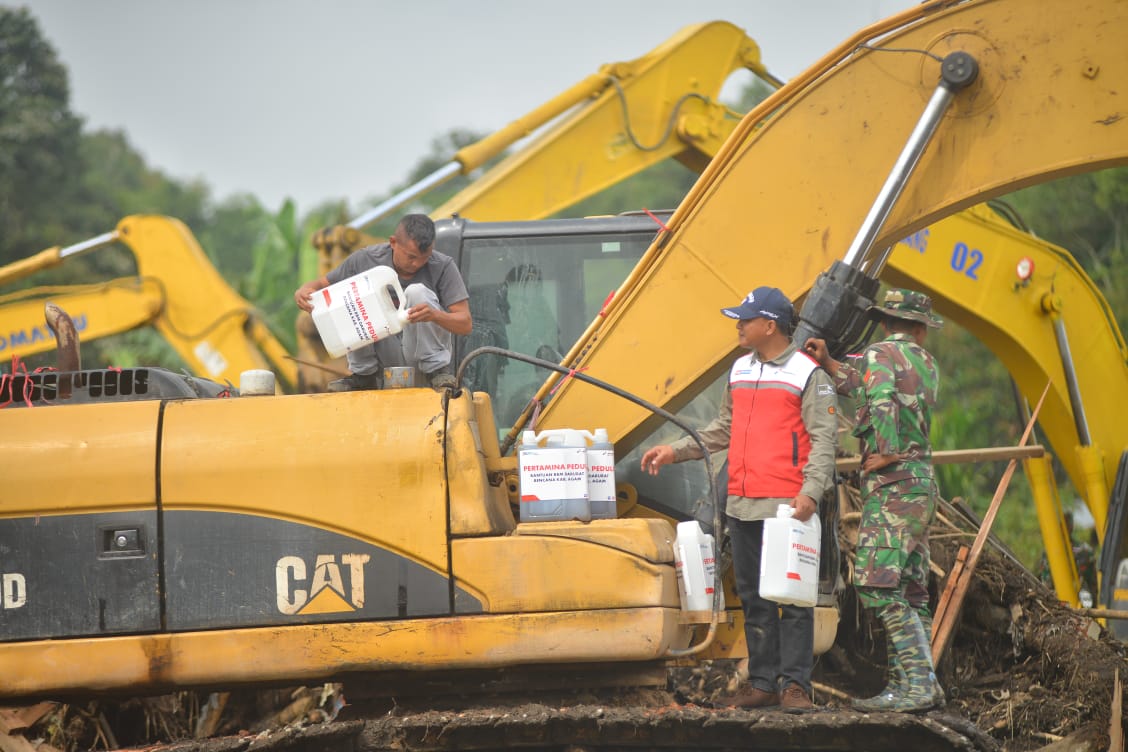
1045,105
476,507
1055,536
109,451
308,652
652,539
487,426
534,573
364,464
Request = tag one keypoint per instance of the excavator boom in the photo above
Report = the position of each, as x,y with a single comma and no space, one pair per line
1042,108
661,105
105,309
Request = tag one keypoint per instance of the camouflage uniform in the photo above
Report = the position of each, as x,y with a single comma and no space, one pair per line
897,392
896,387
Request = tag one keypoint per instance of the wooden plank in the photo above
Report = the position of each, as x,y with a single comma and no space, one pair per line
18,719
941,628
1115,725
211,714
952,608
15,744
960,456
1102,613
942,635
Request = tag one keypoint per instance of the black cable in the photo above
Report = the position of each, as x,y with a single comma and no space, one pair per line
1010,214
669,122
926,53
489,350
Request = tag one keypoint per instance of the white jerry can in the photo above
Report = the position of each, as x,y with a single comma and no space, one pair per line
789,559
359,310
695,563
552,471
601,475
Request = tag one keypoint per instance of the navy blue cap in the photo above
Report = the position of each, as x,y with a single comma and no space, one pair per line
763,303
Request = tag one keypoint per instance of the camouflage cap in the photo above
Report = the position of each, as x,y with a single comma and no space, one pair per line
909,305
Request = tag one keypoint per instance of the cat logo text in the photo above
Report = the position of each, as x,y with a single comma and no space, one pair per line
332,585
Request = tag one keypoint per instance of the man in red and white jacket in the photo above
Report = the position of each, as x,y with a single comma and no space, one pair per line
778,422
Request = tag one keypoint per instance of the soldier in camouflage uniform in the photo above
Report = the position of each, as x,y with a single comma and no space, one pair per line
896,384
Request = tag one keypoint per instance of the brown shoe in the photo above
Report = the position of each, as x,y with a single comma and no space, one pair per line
750,697
794,698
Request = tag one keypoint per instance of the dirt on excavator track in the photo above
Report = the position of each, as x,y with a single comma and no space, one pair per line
1023,671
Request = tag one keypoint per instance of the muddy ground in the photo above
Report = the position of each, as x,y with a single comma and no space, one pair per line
1023,672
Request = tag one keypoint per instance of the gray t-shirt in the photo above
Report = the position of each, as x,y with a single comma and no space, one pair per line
439,274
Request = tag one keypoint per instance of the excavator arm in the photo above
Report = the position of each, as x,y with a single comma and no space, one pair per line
176,290
614,123
1041,315
609,126
1044,106
105,309
661,105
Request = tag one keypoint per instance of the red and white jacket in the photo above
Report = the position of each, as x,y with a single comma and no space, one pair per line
769,444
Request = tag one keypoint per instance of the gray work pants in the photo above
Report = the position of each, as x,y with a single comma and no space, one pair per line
426,347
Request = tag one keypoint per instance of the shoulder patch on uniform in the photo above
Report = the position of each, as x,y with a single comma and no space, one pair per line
824,389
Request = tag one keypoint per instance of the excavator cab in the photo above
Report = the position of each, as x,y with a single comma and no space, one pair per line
534,287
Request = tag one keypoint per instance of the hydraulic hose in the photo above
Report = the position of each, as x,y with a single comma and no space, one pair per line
717,584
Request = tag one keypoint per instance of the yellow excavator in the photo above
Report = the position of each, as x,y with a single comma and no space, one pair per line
291,538
668,98
1044,318
217,333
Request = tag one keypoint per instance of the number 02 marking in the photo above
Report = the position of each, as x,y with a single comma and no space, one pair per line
962,255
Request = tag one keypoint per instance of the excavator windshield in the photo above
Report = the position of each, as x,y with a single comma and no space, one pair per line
534,288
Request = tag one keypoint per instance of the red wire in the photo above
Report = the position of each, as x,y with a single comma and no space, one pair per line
570,374
653,216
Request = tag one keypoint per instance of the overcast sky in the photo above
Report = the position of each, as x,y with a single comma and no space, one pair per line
341,98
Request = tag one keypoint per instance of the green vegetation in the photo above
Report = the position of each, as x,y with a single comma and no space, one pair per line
61,183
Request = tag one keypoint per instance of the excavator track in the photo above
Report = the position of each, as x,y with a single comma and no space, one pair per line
534,725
